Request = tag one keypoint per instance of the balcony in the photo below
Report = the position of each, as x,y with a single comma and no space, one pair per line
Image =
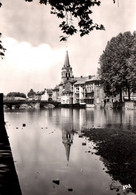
89,91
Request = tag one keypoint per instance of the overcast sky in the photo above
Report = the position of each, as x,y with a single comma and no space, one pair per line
35,56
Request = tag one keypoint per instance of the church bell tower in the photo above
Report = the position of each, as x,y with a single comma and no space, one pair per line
66,73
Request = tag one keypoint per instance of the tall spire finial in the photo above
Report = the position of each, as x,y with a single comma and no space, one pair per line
66,63
67,140
67,148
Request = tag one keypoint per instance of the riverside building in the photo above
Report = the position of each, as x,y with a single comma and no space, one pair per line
79,91
83,91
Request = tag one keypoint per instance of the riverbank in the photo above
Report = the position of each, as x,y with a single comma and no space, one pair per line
9,183
117,147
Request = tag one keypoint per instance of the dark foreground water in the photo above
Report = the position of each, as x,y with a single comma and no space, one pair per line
51,156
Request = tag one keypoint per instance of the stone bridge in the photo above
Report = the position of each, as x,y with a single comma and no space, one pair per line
30,103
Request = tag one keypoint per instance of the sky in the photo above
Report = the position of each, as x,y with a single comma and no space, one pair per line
35,55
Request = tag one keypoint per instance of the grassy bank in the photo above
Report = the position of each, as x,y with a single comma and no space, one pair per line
118,149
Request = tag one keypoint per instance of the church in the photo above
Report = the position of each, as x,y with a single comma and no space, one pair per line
82,91
67,82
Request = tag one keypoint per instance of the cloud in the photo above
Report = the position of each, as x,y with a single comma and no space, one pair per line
34,55
26,67
30,22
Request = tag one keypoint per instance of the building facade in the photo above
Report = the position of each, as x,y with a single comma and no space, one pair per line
67,81
79,90
84,90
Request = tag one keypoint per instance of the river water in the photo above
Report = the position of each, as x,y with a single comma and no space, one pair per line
52,158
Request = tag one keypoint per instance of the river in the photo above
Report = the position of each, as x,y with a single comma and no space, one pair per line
52,158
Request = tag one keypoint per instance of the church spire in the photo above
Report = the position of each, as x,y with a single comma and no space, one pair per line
66,63
67,148
66,73
67,140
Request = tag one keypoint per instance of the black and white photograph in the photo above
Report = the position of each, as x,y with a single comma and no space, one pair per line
67,97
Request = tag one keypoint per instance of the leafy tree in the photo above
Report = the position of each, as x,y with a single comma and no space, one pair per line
117,65
68,10
131,76
16,94
31,93
2,49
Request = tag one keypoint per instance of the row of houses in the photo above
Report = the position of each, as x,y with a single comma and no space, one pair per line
82,91
79,91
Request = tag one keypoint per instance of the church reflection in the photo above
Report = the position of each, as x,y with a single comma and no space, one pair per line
67,131
67,140
71,121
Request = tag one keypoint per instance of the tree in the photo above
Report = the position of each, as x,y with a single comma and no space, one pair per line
31,93
131,76
68,10
16,94
2,49
118,66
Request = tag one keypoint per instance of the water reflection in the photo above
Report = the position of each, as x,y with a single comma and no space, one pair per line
67,140
49,142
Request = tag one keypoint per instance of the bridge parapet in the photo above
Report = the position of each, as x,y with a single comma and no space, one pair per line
32,103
